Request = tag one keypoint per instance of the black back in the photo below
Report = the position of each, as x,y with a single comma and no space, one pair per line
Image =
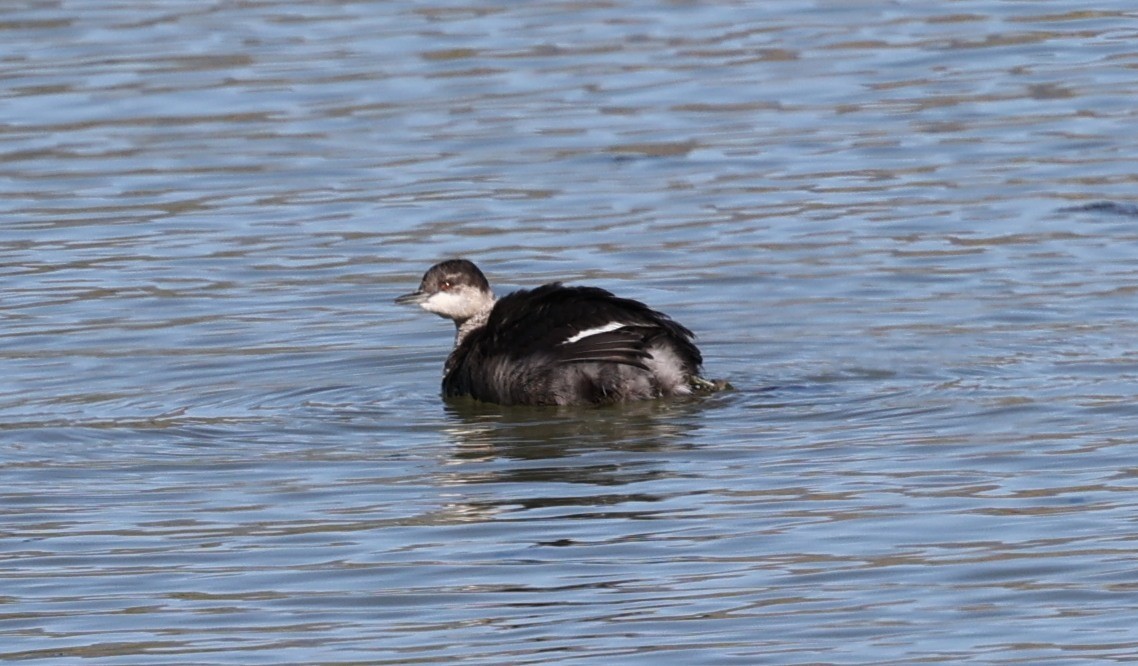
516,355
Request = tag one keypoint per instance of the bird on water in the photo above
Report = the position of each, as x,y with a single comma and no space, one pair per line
556,344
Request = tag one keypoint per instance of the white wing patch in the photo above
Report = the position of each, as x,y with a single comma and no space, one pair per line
611,326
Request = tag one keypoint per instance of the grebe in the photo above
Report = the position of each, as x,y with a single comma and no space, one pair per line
556,345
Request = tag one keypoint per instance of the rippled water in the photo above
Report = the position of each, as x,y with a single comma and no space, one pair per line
905,233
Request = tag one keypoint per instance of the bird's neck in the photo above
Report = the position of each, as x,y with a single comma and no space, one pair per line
476,321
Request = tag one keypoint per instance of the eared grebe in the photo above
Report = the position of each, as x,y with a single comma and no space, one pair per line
555,345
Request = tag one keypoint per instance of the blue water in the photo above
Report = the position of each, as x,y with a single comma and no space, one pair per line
904,234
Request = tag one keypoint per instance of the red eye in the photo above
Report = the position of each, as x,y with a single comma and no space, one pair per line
445,285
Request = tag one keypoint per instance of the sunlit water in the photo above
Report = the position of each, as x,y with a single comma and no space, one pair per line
220,442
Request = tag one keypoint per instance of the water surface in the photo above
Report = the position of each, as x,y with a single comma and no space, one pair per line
905,234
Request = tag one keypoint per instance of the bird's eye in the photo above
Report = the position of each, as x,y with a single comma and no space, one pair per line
445,285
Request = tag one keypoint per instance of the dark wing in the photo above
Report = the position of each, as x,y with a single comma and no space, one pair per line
529,331
625,345
542,321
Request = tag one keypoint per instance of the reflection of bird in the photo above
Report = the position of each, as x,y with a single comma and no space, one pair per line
555,345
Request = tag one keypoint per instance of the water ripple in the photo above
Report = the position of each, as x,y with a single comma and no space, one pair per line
901,232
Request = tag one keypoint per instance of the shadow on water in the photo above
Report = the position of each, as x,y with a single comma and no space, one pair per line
526,458
567,461
1106,207
483,430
